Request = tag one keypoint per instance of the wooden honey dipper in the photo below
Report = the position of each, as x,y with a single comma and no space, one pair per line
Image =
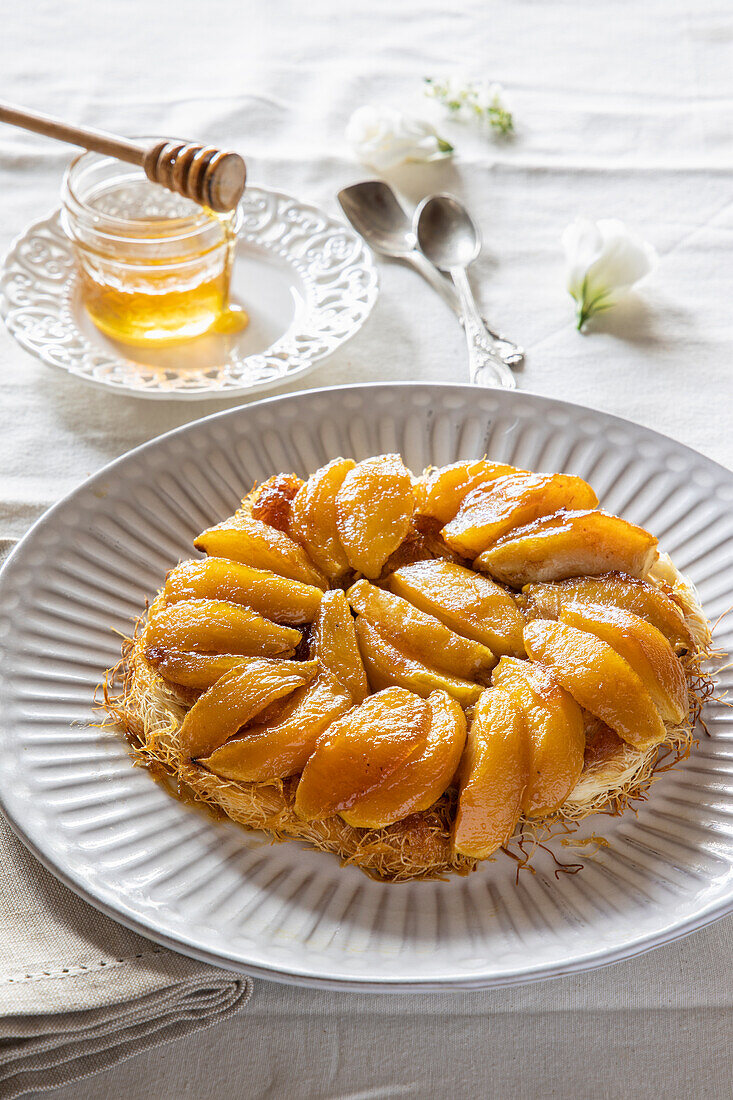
200,172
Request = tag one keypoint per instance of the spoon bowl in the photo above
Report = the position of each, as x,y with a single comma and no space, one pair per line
375,212
446,232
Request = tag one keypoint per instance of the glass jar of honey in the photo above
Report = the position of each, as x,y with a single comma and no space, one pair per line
154,267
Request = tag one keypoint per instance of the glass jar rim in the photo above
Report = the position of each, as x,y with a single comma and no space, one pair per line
189,224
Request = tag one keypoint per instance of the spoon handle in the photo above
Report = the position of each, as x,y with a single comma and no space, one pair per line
485,367
511,353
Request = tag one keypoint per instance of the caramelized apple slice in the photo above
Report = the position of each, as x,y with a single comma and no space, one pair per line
555,734
469,604
360,751
598,679
245,539
614,590
441,492
277,749
493,774
277,598
423,776
335,645
490,511
419,635
313,517
385,665
235,699
214,626
192,670
643,647
374,507
569,544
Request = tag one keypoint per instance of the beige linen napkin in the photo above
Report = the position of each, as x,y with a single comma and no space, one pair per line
79,992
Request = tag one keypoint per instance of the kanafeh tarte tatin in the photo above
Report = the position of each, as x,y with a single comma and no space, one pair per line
411,671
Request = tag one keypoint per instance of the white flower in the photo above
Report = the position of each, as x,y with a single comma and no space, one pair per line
604,260
383,137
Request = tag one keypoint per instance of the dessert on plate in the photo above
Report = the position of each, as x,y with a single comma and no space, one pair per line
414,672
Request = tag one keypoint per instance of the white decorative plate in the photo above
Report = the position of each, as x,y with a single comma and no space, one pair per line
306,279
284,911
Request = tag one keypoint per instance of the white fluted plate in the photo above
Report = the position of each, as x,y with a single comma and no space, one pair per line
306,279
214,891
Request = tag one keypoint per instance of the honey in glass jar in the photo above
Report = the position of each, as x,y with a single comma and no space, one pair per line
154,267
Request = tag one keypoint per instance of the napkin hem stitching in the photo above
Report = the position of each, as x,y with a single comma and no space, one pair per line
81,968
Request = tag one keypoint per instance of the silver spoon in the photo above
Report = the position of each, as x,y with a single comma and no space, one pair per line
450,239
375,212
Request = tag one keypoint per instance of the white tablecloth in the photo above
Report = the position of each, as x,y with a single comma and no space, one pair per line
623,109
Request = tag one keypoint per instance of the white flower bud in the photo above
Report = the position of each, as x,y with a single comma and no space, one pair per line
604,260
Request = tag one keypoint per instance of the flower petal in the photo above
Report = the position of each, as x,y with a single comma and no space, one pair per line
582,242
624,259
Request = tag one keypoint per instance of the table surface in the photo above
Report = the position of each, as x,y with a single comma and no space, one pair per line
622,110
